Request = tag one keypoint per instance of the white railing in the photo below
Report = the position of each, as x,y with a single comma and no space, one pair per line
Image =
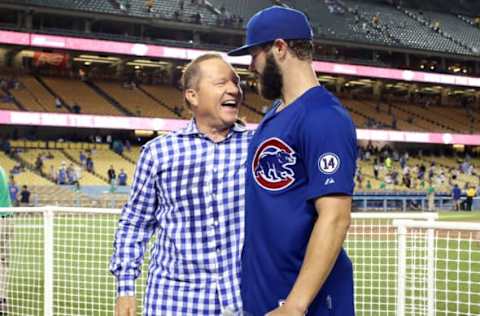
438,261
58,263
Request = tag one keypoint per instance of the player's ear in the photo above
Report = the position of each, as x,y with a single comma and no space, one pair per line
280,49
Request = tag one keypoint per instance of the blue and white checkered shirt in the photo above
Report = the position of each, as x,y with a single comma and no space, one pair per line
190,191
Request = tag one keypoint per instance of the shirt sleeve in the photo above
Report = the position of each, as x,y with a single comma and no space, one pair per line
135,227
329,150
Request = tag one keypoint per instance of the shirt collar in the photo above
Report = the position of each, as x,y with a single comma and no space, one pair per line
192,129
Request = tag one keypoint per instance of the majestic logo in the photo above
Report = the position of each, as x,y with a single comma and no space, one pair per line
329,181
271,166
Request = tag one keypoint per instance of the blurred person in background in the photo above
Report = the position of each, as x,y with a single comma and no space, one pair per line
6,231
431,196
89,164
111,174
62,174
25,196
456,194
122,178
471,192
13,190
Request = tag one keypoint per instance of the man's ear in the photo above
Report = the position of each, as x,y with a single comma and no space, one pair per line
280,49
191,96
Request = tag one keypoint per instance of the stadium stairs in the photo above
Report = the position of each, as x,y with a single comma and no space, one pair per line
109,98
59,195
26,97
132,155
128,158
427,22
154,98
32,169
380,31
77,161
50,90
455,115
14,100
435,113
422,117
24,177
351,108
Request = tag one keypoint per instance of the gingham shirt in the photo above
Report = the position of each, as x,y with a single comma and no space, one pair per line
190,192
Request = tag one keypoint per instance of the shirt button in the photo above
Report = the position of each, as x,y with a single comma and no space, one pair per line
215,169
214,197
215,223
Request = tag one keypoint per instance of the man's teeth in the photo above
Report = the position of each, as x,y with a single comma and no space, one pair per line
230,103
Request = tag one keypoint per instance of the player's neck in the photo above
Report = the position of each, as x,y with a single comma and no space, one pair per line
297,79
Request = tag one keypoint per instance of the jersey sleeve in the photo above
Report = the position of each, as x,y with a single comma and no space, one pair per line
329,151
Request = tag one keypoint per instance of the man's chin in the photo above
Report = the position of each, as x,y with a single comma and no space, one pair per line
230,120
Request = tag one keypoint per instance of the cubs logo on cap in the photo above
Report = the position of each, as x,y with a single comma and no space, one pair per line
272,165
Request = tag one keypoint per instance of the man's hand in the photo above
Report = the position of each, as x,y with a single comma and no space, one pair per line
126,306
286,310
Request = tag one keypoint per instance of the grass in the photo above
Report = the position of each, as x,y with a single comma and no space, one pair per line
83,284
460,216
457,271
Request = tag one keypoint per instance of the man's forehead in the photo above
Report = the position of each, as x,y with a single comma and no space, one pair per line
225,70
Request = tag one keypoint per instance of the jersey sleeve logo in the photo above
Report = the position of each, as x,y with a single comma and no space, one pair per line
328,163
272,165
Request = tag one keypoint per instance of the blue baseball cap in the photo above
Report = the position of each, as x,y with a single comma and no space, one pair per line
274,23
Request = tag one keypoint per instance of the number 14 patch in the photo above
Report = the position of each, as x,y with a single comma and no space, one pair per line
328,163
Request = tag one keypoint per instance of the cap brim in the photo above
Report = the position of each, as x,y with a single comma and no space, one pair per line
241,51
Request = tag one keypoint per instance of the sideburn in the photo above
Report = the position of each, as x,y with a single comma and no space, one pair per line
271,79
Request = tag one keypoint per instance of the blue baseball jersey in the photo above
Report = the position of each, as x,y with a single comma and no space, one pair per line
306,151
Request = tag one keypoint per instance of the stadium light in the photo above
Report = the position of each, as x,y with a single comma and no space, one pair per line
99,61
94,57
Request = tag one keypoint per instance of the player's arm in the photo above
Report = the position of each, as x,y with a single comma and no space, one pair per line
328,145
323,248
135,228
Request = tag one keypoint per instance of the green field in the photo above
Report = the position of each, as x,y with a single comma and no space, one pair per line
460,216
84,286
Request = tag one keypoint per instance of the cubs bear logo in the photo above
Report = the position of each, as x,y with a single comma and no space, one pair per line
271,165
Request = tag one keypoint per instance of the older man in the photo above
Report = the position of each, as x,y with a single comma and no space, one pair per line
189,189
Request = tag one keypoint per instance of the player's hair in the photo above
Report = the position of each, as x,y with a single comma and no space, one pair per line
192,74
302,49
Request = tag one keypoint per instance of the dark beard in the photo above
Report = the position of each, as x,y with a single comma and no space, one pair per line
271,82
